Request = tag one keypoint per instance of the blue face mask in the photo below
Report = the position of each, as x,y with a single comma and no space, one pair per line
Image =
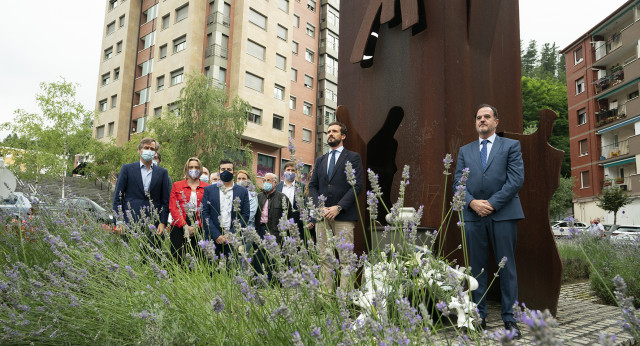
289,176
147,155
226,176
267,186
204,178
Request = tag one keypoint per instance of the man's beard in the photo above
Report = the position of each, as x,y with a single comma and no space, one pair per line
333,143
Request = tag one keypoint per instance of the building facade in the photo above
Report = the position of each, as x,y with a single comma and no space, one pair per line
280,56
603,78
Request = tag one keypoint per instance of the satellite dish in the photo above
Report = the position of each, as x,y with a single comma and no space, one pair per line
7,183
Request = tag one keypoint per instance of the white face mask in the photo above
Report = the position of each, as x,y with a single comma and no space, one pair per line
147,155
194,173
204,178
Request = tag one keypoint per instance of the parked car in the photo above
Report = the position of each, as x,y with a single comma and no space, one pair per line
16,205
561,228
79,204
625,233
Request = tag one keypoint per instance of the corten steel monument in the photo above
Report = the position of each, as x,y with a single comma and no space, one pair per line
412,73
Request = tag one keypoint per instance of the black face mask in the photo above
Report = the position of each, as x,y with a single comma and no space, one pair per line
226,176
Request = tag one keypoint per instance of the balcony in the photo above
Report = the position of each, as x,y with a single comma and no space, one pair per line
218,18
609,45
604,117
609,81
634,184
614,151
216,50
634,145
217,83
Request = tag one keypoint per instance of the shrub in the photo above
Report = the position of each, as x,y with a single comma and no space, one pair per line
574,262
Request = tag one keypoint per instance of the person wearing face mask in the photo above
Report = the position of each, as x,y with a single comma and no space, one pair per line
142,186
186,197
293,188
218,211
242,179
157,159
205,175
214,178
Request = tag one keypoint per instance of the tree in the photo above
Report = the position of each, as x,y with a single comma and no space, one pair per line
562,199
548,61
529,59
207,124
612,199
62,129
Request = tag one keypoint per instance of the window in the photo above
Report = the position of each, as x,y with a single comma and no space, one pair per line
140,124
222,76
114,101
281,62
157,111
257,18
179,43
331,42
294,47
254,82
584,147
151,13
330,91
633,95
306,108
580,85
266,164
277,122
116,73
306,135
182,12
255,50
577,55
119,47
292,102
163,51
308,55
282,32
582,116
311,4
147,67
177,76
585,180
149,40
255,116
311,30
294,75
105,78
160,83
173,108
121,22
330,65
108,53
332,17
111,27
100,132
308,81
113,4
292,131
278,92
283,5
102,105
110,127
144,96
296,21
165,22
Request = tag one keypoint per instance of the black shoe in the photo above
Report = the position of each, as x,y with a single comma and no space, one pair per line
512,326
483,324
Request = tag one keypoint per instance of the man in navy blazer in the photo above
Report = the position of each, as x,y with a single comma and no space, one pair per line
329,179
217,207
143,186
492,209
292,188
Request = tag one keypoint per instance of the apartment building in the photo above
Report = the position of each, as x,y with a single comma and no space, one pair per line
279,55
603,76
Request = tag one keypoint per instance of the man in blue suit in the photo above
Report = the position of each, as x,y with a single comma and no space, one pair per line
293,188
217,207
143,186
329,179
492,209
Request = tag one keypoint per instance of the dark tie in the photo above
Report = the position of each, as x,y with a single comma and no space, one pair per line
483,154
332,163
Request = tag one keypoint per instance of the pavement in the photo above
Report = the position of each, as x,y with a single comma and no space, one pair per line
581,318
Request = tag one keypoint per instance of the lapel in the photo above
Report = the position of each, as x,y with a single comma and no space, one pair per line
341,159
495,148
155,176
137,174
216,200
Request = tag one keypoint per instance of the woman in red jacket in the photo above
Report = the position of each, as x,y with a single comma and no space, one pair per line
184,205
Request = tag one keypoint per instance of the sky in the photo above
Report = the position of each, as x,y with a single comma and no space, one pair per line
45,41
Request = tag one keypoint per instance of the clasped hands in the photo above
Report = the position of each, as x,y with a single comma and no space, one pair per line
482,207
331,213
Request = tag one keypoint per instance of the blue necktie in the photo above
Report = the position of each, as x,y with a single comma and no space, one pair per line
332,163
483,154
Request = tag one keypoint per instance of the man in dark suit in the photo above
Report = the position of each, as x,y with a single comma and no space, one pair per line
329,179
218,207
294,189
492,209
143,187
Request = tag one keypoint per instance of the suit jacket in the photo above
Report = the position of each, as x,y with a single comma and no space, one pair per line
211,210
299,187
336,188
498,183
274,212
129,192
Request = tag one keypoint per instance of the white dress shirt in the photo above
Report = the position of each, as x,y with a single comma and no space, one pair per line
337,154
146,176
290,190
226,206
492,140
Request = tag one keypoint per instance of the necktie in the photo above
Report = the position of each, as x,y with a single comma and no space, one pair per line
483,154
332,163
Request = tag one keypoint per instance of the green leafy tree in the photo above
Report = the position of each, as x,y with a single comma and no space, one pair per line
548,66
207,124
529,58
60,130
562,199
612,199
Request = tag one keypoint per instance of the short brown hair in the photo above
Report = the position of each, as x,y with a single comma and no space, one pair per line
186,165
493,109
289,164
148,140
243,172
343,127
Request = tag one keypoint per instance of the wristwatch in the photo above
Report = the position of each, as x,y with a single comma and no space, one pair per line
339,208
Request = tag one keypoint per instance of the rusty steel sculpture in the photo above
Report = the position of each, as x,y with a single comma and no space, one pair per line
412,73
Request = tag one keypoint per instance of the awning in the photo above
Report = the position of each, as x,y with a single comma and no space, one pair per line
621,162
618,125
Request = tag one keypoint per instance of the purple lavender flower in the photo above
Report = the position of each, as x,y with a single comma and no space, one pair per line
164,299
372,204
447,163
296,340
217,304
351,173
373,179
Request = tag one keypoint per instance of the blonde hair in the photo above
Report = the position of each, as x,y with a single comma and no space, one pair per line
186,165
243,171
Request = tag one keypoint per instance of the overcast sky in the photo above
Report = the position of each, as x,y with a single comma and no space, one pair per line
43,41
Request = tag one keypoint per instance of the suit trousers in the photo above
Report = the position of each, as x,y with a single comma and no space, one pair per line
502,237
337,229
